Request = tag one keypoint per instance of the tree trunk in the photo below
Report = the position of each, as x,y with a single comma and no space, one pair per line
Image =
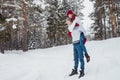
24,42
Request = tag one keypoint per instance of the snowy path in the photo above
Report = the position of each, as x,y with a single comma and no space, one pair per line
56,63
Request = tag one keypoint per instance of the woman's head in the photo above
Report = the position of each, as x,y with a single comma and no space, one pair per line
71,15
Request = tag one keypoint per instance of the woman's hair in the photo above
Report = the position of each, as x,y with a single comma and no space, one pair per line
73,17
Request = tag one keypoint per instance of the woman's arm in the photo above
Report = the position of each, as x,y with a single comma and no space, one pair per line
71,27
81,28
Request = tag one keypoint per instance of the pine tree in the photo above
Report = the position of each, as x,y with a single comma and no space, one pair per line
104,15
52,23
62,10
57,32
27,24
77,6
37,18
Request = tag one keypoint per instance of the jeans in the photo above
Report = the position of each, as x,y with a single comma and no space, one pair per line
82,42
78,56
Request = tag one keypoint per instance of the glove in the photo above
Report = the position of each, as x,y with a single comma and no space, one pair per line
69,34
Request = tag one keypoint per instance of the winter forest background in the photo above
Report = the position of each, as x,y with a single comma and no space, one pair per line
33,24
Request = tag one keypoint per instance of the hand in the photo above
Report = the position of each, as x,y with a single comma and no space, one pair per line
68,22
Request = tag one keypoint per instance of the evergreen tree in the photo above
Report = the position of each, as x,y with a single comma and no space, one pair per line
105,17
32,24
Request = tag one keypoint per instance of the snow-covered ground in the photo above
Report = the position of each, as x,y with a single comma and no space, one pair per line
56,63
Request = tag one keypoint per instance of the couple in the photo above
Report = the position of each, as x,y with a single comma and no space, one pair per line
76,31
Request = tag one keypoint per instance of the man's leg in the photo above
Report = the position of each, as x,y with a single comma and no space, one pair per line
76,62
76,56
81,58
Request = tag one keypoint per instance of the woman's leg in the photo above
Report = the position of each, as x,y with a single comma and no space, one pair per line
82,42
83,46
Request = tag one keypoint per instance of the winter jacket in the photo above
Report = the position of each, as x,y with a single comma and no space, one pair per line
76,31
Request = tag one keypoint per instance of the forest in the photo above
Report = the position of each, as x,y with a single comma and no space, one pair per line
34,24
106,18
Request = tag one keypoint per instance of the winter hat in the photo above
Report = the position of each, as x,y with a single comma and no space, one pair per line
69,12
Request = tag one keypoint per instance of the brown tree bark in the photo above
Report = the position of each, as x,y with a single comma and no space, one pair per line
24,31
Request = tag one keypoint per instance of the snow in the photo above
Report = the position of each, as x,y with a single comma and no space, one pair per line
2,28
14,26
56,63
87,11
40,3
25,1
11,19
12,5
21,18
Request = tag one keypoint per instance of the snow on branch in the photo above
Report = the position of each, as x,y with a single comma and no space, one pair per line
11,19
12,5
25,2
14,26
21,18
40,3
2,28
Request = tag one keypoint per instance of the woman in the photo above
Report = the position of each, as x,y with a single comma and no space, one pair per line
77,31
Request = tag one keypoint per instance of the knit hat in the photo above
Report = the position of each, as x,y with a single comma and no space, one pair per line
69,12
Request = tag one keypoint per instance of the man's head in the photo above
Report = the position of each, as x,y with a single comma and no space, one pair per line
68,21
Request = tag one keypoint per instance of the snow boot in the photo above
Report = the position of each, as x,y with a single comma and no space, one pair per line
87,57
74,72
81,73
